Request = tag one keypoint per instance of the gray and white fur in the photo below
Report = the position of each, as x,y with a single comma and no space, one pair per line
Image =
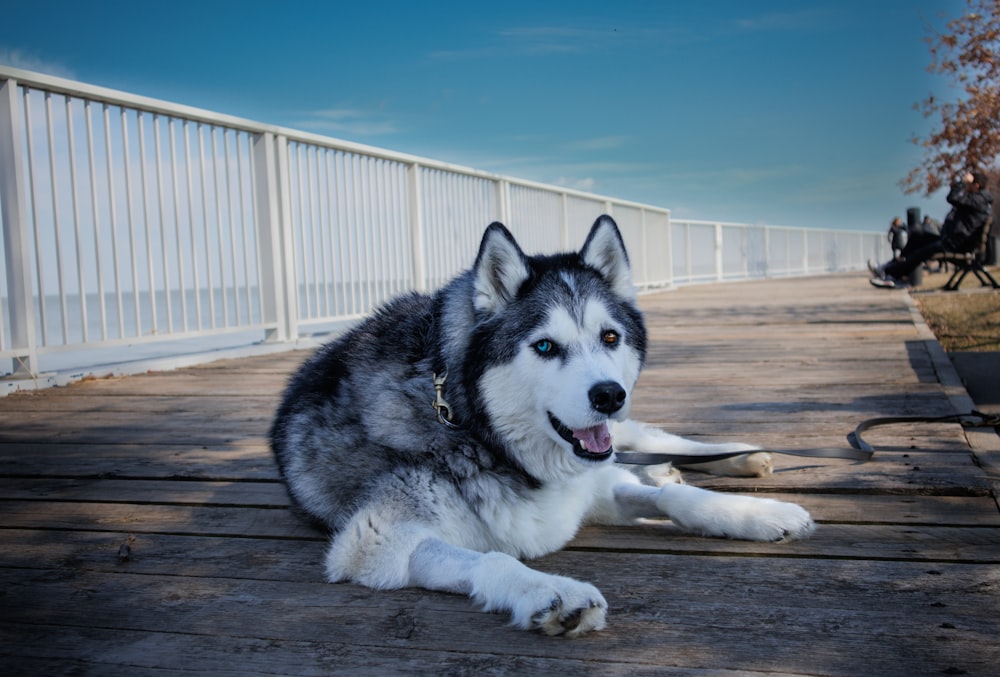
540,355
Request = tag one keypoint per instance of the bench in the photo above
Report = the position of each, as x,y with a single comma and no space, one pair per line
969,262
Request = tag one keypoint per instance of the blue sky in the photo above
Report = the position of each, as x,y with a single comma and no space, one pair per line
785,113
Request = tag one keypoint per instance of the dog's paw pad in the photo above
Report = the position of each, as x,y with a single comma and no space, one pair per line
571,621
539,618
576,609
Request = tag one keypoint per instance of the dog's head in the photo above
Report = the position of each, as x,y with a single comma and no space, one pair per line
562,344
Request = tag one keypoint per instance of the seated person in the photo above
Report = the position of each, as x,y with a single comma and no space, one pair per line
971,207
923,232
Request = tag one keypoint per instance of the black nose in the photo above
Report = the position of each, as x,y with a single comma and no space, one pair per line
607,397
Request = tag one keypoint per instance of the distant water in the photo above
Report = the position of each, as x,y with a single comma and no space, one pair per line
133,322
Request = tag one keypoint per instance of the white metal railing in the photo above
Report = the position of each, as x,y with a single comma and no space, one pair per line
128,220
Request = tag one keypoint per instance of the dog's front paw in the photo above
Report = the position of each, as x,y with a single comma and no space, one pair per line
770,520
729,516
556,605
562,606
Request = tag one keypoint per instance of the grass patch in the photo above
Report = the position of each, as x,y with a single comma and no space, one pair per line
966,320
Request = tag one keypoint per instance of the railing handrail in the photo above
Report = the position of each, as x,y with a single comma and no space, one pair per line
770,226
155,106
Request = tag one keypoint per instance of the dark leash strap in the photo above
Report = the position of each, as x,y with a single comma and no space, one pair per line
860,450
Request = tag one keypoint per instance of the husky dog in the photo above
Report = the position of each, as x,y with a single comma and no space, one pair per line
530,363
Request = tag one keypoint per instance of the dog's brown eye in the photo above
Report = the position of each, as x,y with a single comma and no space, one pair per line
610,338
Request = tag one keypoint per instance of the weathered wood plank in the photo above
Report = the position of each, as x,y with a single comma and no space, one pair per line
214,421
697,614
270,494
47,649
910,473
903,472
299,558
872,541
181,382
236,460
191,427
72,402
841,507
144,518
875,542
662,394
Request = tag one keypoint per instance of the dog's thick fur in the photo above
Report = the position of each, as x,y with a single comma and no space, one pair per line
540,355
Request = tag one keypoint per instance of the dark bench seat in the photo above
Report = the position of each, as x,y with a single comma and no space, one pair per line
969,262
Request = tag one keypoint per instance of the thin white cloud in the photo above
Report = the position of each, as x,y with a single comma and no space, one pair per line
348,120
16,58
555,39
598,143
786,21
562,33
547,39
464,54
531,40
736,175
844,189
588,184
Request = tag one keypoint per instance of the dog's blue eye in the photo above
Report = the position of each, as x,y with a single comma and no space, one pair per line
544,347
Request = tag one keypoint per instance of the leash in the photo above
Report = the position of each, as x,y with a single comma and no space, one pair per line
860,450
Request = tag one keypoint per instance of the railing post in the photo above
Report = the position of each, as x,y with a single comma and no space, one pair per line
274,236
788,254
20,301
644,247
718,253
805,252
767,251
564,221
416,212
745,250
503,201
688,254
670,250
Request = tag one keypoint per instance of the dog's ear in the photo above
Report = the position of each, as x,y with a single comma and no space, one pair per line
501,268
604,251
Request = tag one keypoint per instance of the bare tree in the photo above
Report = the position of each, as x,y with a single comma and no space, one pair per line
967,135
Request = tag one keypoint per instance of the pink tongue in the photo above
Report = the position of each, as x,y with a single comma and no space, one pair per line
596,440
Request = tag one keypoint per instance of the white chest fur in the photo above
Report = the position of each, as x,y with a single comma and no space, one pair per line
533,523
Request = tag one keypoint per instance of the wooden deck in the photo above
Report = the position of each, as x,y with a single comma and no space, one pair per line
144,529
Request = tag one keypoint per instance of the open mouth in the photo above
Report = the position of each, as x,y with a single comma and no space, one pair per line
593,444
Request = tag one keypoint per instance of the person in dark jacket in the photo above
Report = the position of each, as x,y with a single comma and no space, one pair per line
971,208
898,236
930,226
923,233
